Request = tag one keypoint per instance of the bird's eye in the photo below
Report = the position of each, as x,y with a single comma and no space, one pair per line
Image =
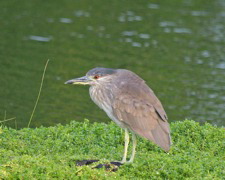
96,76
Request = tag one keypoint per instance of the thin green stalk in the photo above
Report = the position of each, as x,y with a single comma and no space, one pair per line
39,93
7,119
5,115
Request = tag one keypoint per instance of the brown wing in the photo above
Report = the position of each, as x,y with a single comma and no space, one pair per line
141,111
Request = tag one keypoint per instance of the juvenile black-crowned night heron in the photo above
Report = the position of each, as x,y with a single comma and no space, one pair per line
130,103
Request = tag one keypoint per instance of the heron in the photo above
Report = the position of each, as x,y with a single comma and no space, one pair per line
130,103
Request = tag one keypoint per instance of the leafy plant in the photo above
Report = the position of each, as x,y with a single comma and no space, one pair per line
51,152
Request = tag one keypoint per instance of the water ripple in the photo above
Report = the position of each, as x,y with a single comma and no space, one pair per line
129,16
65,20
199,13
167,23
205,53
81,13
136,44
40,38
182,30
221,65
153,6
129,33
144,36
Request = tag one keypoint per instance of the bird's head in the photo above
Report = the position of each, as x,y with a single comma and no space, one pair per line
94,76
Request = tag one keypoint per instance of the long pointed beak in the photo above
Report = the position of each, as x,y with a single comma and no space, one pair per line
81,80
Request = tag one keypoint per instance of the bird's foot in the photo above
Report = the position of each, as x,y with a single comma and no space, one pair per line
112,166
124,161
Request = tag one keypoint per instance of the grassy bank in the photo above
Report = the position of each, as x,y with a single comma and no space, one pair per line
198,152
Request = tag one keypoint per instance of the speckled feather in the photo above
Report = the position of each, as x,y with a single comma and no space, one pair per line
133,105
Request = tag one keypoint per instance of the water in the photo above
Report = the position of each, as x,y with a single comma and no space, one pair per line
176,46
39,38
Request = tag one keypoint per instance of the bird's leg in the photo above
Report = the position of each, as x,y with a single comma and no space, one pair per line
134,139
125,146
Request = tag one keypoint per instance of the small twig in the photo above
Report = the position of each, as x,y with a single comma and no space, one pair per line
7,119
42,80
5,115
16,124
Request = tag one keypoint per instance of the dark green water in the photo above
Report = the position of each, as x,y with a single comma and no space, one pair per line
177,46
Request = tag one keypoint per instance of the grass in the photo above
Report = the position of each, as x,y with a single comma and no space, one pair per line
198,152
39,93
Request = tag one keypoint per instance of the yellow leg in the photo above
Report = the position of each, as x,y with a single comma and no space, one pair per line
125,146
134,139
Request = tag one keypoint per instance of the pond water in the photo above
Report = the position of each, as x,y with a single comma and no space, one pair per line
176,46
